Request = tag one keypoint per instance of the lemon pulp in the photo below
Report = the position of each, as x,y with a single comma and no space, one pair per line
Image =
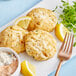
28,69
60,31
23,22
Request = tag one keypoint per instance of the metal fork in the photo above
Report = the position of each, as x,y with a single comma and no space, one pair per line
65,50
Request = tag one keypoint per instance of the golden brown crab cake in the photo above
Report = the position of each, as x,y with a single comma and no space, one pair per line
40,44
13,37
43,19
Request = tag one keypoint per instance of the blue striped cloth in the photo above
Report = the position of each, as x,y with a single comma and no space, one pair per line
9,9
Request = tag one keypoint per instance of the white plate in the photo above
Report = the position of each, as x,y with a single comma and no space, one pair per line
43,67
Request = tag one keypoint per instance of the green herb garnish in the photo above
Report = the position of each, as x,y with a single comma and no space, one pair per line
68,16
55,8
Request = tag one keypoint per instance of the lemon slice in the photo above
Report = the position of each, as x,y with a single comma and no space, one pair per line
28,69
23,22
60,31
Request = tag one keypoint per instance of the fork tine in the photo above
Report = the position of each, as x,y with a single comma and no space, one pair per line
66,42
68,45
63,42
70,52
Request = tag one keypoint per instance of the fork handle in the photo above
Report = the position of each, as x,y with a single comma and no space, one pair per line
58,68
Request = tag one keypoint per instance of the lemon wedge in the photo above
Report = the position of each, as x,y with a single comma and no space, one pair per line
23,22
60,31
28,69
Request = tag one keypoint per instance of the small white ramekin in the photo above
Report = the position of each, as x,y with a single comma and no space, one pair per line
17,72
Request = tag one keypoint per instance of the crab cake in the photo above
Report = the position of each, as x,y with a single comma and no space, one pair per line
13,37
43,19
40,44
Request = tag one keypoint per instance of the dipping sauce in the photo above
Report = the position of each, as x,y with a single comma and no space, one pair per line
8,63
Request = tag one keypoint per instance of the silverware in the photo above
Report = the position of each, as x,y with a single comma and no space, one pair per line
65,50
